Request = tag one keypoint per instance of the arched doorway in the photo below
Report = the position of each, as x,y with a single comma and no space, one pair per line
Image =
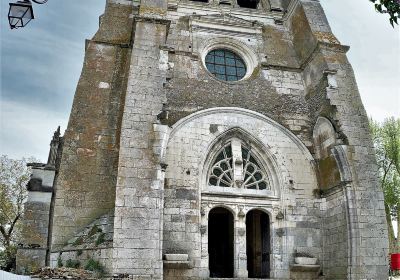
258,244
220,243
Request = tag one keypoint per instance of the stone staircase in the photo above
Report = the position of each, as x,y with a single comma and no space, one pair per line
248,278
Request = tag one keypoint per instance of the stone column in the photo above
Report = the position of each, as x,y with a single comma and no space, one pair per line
204,230
241,254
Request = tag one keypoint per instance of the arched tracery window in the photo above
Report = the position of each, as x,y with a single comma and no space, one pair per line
236,166
222,170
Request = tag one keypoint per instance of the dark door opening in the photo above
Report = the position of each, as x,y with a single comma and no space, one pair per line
220,243
251,4
258,244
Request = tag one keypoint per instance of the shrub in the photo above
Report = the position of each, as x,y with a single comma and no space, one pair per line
59,261
8,258
100,239
95,229
73,263
95,266
78,241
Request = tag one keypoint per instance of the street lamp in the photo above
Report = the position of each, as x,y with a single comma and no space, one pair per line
21,13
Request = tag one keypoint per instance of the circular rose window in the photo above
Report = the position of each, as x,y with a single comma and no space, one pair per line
225,65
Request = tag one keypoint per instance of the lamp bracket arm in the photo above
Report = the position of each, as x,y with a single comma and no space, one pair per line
40,2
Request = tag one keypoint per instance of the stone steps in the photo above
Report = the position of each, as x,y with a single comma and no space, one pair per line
242,278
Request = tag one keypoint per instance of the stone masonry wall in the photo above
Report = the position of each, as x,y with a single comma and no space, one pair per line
335,236
139,198
275,87
370,211
33,245
94,242
85,188
274,93
366,218
35,233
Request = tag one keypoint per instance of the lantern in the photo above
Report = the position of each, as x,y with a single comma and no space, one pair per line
20,14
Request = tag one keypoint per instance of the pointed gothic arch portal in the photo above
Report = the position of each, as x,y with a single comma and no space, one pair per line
220,243
258,244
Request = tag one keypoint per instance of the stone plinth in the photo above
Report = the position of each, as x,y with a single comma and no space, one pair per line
304,272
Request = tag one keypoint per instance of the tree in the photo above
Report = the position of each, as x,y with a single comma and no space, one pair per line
391,7
14,175
386,138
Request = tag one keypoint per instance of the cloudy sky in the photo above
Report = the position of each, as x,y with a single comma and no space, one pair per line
41,64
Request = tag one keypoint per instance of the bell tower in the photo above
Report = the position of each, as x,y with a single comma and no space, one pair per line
210,130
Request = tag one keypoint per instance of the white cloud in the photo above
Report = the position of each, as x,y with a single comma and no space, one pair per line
40,67
374,53
27,131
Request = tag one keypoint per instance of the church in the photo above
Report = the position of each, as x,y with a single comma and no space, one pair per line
211,139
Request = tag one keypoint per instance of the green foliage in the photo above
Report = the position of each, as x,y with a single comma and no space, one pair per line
100,239
95,229
73,263
79,252
95,266
386,138
78,241
14,175
59,262
390,7
7,258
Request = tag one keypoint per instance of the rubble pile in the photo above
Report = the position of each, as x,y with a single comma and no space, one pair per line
63,273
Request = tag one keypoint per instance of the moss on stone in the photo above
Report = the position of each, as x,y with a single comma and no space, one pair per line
78,241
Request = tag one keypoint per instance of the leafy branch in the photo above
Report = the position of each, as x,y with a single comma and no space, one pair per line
14,175
390,7
386,137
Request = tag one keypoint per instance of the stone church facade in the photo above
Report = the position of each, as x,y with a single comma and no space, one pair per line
211,139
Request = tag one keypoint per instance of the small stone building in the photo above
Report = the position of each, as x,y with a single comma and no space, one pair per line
212,139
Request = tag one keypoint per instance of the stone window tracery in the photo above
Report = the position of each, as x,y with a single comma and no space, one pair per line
236,166
254,177
222,171
225,65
